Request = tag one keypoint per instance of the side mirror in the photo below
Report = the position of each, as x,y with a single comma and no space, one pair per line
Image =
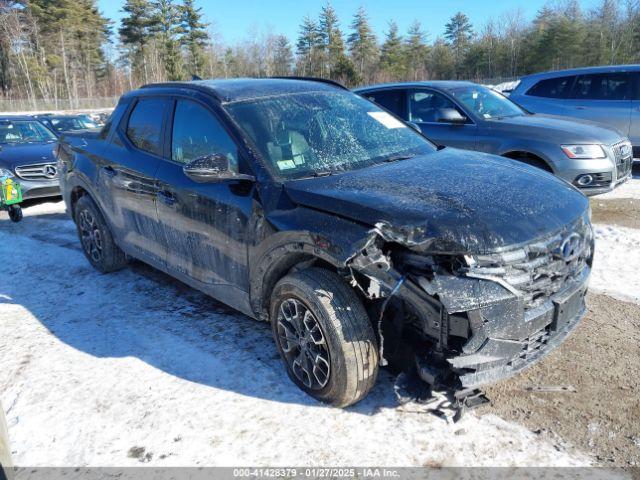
213,168
450,115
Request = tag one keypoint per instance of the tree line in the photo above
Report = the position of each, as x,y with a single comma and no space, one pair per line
67,49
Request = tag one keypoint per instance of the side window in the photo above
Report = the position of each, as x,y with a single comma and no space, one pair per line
145,124
197,132
552,87
603,86
114,115
425,104
392,100
636,86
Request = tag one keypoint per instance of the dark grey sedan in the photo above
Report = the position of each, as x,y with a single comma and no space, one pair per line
469,116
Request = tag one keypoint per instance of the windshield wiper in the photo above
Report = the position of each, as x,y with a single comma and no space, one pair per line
396,158
322,173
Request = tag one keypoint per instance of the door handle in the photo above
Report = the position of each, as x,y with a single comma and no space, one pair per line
109,171
580,107
166,197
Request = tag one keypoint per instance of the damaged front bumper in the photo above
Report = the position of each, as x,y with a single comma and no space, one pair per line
488,320
522,338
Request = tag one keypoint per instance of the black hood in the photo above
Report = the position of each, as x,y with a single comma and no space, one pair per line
469,201
14,155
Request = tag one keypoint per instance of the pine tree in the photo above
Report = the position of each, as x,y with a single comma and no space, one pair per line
362,44
334,59
282,56
441,61
194,36
308,45
459,32
75,32
416,51
392,60
135,35
165,24
135,24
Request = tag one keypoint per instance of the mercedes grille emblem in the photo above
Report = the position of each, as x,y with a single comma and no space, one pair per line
50,171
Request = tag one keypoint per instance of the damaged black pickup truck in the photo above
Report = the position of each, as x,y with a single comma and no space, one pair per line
300,203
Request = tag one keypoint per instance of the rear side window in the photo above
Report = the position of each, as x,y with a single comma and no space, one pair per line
145,124
603,86
197,133
552,87
114,116
392,100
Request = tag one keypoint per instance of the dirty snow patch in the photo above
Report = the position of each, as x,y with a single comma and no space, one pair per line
616,267
134,368
629,189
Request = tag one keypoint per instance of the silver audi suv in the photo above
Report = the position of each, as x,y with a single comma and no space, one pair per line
466,115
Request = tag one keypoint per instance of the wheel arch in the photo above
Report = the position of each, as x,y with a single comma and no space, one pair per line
278,262
76,193
529,158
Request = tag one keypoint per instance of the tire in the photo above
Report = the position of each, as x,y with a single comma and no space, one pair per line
337,333
96,238
15,213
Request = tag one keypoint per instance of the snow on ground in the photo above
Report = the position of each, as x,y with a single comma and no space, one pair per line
616,266
96,368
629,189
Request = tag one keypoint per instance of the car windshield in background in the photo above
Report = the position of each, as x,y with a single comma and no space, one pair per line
24,131
318,133
66,124
486,103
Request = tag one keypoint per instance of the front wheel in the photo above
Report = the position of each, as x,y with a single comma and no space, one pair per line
96,238
15,213
324,336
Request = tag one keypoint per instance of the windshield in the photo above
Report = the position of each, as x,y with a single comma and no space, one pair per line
24,131
318,133
65,124
486,103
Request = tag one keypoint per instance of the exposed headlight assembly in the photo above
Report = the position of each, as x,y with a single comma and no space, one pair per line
6,173
583,151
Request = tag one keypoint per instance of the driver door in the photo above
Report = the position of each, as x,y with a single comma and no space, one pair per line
204,224
422,109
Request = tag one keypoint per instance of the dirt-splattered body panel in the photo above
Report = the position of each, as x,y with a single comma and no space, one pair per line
476,262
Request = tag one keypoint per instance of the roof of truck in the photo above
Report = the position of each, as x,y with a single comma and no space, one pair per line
238,89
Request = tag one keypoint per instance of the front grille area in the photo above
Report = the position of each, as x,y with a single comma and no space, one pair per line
40,171
541,269
623,155
533,346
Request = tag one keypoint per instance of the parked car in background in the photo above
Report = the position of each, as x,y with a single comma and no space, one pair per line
67,123
608,95
303,204
27,153
593,158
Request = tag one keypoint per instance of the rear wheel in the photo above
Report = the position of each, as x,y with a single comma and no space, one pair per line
96,238
324,336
